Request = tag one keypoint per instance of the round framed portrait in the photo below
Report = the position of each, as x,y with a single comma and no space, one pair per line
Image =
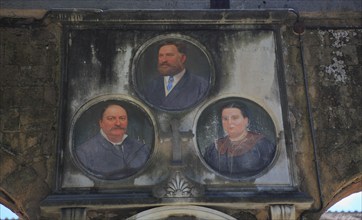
111,139
172,72
236,138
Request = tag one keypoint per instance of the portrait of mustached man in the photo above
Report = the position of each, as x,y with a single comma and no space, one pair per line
111,153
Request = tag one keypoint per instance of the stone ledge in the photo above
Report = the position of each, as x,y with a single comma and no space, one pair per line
54,203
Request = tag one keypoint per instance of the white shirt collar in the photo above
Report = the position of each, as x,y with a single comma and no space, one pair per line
176,78
119,143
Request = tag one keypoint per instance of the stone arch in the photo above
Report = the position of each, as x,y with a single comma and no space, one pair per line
195,212
345,190
10,203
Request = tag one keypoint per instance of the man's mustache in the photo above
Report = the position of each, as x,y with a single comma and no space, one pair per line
164,64
118,127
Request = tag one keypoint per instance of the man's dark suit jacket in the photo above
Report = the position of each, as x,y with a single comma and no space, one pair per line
187,92
102,158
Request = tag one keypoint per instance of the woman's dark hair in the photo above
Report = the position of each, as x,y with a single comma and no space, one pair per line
243,109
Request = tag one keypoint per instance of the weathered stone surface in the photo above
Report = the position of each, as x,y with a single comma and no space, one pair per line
29,103
331,60
28,111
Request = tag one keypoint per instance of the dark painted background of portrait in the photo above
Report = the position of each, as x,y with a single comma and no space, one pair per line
209,126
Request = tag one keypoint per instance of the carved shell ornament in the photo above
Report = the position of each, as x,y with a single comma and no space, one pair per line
178,187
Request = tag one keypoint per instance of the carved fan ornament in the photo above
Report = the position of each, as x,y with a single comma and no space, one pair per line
178,186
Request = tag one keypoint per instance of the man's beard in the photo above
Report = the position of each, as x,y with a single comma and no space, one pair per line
169,71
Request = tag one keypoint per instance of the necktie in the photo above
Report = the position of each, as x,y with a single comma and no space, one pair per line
169,84
119,147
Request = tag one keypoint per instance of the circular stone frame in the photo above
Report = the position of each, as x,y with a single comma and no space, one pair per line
84,125
144,66
209,128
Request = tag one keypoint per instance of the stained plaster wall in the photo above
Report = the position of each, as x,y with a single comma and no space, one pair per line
30,102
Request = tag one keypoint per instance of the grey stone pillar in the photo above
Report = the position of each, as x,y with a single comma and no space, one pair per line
73,214
282,212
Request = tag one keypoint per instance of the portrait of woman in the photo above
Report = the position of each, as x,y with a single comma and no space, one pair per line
240,152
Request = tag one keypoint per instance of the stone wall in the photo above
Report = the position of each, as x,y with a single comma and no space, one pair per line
333,62
30,70
29,94
332,72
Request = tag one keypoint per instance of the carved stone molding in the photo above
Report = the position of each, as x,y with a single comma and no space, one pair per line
178,186
181,212
282,212
73,214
